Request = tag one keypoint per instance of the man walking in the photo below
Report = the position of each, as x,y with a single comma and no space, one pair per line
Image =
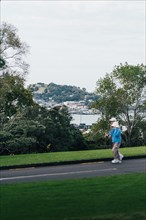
115,135
112,120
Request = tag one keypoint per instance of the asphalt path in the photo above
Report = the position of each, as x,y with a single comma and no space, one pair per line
74,171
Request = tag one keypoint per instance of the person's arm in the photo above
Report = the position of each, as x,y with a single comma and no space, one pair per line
106,135
109,134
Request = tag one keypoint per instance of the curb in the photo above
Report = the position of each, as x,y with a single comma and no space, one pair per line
65,162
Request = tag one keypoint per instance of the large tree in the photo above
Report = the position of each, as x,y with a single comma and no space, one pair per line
13,97
25,126
12,50
123,95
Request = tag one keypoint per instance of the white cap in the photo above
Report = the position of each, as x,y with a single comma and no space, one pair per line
112,119
115,124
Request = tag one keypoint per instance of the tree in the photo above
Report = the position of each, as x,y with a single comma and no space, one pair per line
37,129
60,133
12,49
13,97
123,95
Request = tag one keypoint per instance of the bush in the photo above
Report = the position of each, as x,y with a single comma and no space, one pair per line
18,146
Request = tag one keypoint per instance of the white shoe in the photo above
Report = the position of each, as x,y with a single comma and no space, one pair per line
121,156
116,161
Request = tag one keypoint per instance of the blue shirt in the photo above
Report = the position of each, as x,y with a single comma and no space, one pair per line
115,134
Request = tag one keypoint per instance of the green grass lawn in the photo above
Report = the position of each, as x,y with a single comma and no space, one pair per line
67,156
120,197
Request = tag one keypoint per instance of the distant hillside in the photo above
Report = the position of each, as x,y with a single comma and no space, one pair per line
61,93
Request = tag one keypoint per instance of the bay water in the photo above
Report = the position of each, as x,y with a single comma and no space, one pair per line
84,119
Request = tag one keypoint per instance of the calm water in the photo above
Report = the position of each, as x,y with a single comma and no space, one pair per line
87,119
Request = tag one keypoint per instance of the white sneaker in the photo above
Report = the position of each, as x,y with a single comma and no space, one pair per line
121,156
116,161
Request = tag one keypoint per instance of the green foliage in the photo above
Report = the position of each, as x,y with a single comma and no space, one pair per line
123,95
60,132
13,95
12,49
21,145
34,128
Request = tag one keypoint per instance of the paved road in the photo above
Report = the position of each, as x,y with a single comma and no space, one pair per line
86,170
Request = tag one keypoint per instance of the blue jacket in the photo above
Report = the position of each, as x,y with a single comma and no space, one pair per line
115,134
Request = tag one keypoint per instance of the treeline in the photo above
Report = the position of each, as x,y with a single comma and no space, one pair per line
61,93
26,127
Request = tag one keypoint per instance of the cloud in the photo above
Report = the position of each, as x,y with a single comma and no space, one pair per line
76,42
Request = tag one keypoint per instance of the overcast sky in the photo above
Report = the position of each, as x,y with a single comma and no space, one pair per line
77,42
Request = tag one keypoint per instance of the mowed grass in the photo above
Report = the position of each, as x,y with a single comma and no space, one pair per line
55,157
121,197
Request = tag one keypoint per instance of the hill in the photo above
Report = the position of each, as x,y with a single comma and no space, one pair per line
61,93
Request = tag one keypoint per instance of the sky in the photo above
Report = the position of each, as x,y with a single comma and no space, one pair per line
77,42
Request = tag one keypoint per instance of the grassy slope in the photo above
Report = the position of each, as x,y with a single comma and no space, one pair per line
114,197
67,156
